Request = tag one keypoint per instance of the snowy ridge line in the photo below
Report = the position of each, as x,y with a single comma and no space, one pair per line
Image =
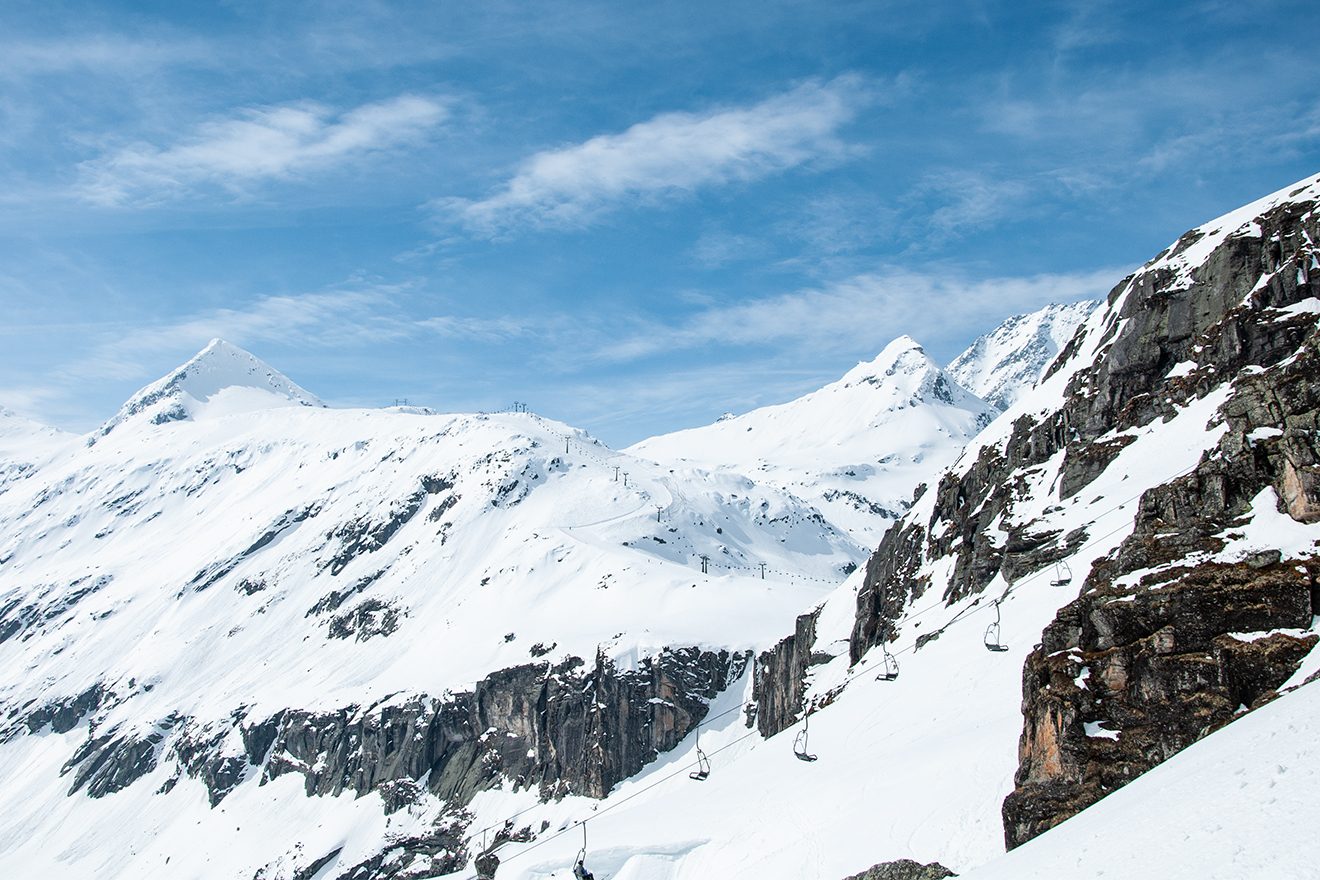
975,605
853,673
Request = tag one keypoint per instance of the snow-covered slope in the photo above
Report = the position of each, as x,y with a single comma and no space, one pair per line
919,767
24,444
183,574
1001,365
856,448
220,380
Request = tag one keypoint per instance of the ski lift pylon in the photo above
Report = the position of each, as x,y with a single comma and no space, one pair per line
1062,574
992,634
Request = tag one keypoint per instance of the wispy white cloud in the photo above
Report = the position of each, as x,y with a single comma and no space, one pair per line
99,53
868,309
264,143
969,199
670,153
468,327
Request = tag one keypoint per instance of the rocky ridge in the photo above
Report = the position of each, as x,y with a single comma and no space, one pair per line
1199,614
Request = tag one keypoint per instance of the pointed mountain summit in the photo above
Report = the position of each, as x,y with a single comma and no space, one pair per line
221,379
856,448
1004,363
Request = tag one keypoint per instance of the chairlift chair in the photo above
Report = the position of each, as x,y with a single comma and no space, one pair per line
889,671
1062,574
703,762
703,767
800,742
579,867
992,634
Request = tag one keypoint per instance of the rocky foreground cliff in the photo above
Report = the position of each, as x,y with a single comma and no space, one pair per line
1204,609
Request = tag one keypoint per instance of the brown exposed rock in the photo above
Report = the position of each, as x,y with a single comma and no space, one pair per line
1151,669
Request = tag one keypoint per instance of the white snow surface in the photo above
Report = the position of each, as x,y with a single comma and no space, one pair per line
856,448
1003,364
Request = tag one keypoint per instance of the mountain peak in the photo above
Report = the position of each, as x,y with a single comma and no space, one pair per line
219,380
903,355
1001,365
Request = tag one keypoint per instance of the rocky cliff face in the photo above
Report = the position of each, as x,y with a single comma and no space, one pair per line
569,729
1199,614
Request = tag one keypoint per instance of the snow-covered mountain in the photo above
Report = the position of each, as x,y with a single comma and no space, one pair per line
221,379
856,448
1006,362
233,558
296,643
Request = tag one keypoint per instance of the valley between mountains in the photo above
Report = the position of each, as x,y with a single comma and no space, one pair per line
1046,611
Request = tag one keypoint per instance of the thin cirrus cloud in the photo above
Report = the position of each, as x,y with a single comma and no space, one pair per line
671,153
260,144
934,307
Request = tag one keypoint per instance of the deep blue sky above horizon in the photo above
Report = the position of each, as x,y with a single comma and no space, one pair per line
632,216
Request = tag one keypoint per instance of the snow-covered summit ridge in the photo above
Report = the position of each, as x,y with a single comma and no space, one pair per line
221,379
855,448
903,371
1001,365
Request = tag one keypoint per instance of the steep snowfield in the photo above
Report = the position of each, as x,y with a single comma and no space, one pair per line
856,448
1004,363
1241,803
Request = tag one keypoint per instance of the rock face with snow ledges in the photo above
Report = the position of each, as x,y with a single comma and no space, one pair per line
856,448
1170,465
1006,362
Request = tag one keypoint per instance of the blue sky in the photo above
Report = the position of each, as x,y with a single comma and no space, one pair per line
632,216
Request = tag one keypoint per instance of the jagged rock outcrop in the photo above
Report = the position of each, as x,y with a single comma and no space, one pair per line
564,730
1125,678
904,869
779,680
1175,633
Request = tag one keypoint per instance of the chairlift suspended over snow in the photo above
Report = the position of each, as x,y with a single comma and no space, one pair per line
579,868
800,741
889,671
992,634
703,762
1062,574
